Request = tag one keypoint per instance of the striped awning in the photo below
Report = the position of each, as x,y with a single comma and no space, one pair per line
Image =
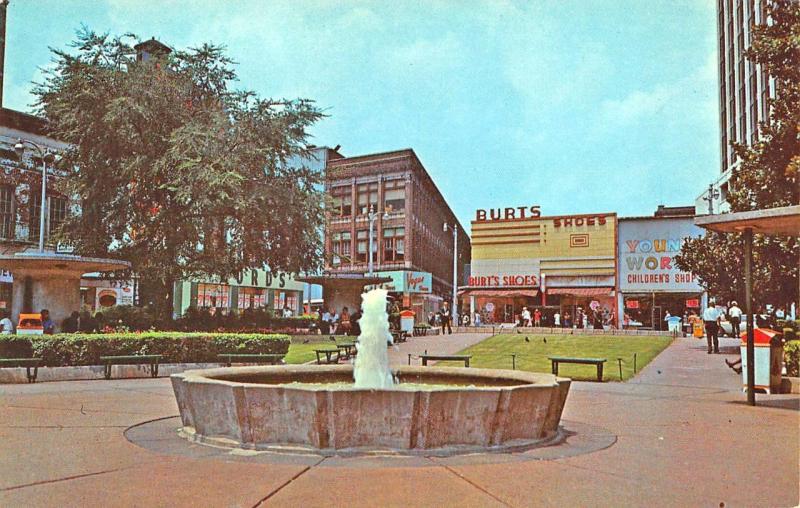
580,291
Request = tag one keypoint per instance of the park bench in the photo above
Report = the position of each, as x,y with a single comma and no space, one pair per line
250,358
399,336
28,363
151,360
347,349
330,355
598,362
454,358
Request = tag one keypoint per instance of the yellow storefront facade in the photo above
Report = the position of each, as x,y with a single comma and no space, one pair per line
562,265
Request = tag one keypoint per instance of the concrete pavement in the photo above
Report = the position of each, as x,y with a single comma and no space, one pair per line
684,436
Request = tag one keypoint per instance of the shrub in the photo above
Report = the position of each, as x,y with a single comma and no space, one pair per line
130,317
791,357
175,347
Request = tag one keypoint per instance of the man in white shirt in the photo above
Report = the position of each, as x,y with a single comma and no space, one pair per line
557,320
735,317
526,317
711,317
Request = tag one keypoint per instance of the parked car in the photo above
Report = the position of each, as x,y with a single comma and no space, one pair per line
30,324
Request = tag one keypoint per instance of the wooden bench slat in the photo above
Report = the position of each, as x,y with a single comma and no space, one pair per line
152,360
598,362
455,358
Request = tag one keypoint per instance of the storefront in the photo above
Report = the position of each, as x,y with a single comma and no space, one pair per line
258,289
650,283
98,294
413,291
554,264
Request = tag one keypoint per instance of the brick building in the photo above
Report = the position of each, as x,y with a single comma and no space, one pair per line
410,245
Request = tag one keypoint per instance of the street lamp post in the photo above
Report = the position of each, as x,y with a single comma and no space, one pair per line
455,267
712,195
372,215
46,156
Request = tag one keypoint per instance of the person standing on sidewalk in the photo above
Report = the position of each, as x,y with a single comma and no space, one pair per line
711,317
447,318
735,317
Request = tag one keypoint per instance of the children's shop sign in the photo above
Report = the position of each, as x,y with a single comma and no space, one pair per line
647,250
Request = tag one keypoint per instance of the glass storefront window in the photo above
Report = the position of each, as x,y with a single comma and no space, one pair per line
213,296
252,298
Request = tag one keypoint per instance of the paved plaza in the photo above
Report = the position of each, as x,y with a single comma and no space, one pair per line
679,434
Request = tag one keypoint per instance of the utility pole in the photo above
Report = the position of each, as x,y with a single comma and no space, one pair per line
3,8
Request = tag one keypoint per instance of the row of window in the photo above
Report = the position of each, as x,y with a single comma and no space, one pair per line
218,296
56,207
392,242
394,198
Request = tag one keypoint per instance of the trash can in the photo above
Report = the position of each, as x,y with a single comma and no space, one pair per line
407,321
697,329
768,360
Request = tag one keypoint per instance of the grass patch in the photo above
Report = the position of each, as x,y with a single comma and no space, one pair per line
301,351
495,353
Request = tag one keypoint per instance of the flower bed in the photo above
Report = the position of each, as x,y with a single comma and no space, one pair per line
175,347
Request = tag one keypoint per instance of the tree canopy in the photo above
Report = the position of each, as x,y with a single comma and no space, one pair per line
765,177
176,171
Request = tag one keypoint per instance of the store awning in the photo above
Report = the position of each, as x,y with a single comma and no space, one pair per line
499,292
580,291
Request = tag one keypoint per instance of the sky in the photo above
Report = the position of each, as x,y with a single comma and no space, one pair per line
578,106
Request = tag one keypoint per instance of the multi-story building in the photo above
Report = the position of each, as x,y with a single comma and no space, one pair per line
744,90
410,244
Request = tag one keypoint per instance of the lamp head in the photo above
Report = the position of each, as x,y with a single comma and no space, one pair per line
19,148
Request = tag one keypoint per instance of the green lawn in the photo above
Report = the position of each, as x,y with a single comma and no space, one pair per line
495,353
302,353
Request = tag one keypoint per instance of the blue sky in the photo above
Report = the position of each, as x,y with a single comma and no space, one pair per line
579,106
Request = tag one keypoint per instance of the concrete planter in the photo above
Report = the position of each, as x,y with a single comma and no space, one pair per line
251,407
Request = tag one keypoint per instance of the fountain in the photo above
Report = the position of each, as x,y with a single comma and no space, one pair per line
367,407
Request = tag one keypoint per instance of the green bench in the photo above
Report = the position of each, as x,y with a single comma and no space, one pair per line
331,355
347,349
598,362
151,360
28,363
270,358
445,358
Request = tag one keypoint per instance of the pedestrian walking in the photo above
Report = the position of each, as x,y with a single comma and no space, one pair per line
526,317
537,318
447,318
711,318
735,317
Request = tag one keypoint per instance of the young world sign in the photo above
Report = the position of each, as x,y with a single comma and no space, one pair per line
647,248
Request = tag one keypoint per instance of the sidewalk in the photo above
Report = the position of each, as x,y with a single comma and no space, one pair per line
434,344
684,437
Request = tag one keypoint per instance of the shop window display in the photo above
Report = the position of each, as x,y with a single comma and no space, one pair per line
213,296
252,298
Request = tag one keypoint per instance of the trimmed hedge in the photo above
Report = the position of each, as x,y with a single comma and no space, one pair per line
175,347
791,357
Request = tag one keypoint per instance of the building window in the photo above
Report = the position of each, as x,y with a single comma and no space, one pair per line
367,197
362,240
283,299
340,245
252,298
394,196
7,212
393,244
342,202
57,214
213,296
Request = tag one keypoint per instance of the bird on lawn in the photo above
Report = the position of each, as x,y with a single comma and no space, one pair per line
518,331
527,339
306,341
544,339
331,338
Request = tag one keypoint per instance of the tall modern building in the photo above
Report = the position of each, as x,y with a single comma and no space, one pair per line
744,88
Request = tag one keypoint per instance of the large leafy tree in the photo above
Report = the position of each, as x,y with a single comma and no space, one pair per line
766,177
176,171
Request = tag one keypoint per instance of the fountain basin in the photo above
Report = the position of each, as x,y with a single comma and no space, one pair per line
465,410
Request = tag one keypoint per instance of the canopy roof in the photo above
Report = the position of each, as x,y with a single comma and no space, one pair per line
780,221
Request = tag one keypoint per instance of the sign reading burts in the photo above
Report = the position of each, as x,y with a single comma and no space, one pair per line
509,213
504,280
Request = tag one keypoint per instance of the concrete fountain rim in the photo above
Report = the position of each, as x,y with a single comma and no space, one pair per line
525,379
